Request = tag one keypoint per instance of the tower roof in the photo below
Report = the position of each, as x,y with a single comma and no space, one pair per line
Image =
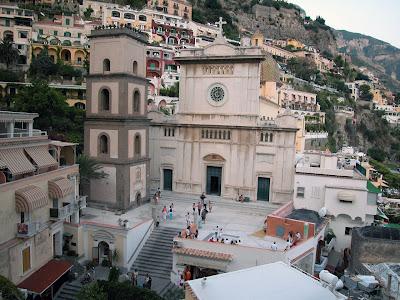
110,31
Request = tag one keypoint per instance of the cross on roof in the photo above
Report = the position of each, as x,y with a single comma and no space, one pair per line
221,30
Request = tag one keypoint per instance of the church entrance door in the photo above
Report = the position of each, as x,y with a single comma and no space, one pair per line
263,189
167,179
214,175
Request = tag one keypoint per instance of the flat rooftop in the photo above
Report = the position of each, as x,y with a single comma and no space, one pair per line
306,215
274,281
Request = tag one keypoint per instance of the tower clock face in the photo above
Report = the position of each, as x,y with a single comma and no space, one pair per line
217,94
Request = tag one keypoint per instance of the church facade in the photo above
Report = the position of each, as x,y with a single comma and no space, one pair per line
217,142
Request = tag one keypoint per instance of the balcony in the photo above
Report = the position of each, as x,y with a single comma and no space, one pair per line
20,134
28,229
63,212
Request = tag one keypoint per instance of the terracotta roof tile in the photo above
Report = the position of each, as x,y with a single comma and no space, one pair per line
203,253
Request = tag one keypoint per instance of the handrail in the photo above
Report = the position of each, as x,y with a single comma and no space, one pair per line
141,241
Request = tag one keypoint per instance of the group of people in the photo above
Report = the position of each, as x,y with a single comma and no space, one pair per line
291,240
147,279
168,212
157,196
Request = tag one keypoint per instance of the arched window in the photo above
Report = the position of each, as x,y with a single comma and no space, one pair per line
262,137
129,16
134,67
103,144
106,65
137,145
136,101
67,34
104,100
224,135
142,18
270,137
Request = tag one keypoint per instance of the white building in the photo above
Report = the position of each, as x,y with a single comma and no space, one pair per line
319,183
275,281
217,130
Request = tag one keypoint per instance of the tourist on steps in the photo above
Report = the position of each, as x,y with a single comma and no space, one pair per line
202,197
164,213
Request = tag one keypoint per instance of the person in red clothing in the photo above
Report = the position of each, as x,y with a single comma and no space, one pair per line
188,275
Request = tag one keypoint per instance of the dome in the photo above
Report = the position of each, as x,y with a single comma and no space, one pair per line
269,70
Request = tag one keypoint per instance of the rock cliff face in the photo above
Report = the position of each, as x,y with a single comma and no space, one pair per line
283,23
377,55
286,23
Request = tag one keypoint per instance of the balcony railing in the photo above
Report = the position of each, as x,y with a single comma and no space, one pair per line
28,229
63,212
20,134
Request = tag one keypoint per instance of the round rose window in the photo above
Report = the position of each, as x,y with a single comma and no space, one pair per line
217,94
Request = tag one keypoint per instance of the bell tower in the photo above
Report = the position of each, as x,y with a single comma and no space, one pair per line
117,127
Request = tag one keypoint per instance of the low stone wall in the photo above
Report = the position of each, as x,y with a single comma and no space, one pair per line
374,245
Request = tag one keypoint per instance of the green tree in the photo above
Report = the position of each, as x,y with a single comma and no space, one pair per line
136,4
92,291
124,290
365,92
8,53
397,98
8,291
88,13
339,61
113,274
172,91
303,68
48,102
89,169
42,66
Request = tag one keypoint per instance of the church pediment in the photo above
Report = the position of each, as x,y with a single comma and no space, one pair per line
220,50
213,157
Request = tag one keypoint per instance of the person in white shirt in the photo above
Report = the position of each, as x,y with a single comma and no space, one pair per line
274,246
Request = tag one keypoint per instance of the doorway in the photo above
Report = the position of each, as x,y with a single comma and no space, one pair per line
263,188
57,244
104,252
214,175
167,179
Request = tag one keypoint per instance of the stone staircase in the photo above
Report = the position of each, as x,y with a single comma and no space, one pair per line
259,208
69,291
155,259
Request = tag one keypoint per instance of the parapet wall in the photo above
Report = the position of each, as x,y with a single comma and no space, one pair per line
373,244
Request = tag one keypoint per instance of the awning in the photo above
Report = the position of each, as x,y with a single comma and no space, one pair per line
41,156
372,188
2,164
382,214
46,276
30,198
61,187
16,161
346,196
203,253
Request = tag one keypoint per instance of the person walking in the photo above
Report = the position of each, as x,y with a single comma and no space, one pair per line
203,215
135,276
146,281
164,213
187,219
199,207
170,212
202,197
158,193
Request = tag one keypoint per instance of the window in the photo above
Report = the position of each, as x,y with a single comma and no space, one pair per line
348,230
104,144
137,145
115,14
26,259
67,22
300,192
106,65
23,34
8,24
142,18
40,31
67,34
136,101
129,16
79,35
55,32
270,137
134,67
105,100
